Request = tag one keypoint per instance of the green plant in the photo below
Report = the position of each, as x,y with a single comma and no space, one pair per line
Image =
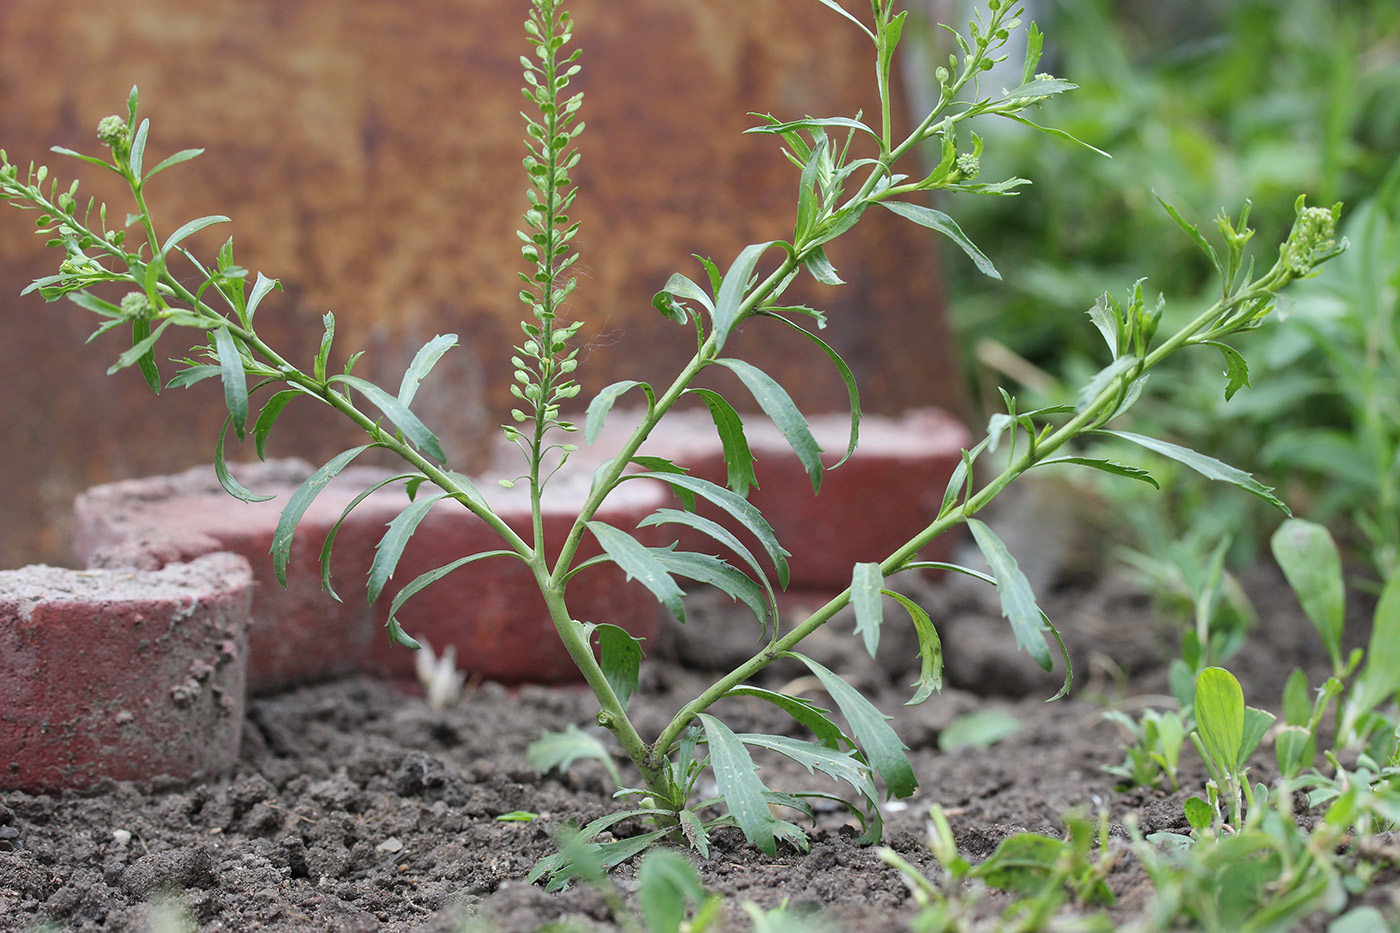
1042,872
1155,750
1197,102
1312,565
845,166
1227,732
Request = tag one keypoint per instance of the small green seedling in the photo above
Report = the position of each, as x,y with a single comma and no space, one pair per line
1155,750
1227,732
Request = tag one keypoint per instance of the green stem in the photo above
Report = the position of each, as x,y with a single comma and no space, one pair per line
1090,417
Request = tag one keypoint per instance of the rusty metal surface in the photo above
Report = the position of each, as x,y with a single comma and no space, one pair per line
369,155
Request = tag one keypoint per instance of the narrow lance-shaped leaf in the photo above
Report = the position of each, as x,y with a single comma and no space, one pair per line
640,564
730,580
778,406
867,582
232,486
1107,466
1017,600
706,527
184,155
847,377
602,404
260,290
143,343
871,729
742,511
802,711
421,582
738,459
732,290
268,417
620,657
1208,467
299,502
398,413
390,547
234,378
423,362
930,650
739,785
194,226
942,223
328,546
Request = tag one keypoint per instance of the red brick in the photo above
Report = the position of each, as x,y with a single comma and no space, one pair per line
888,491
491,610
128,675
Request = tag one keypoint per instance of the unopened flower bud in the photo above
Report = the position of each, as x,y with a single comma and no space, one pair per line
1314,232
113,132
967,165
136,305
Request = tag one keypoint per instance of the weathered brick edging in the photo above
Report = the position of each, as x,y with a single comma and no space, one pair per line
135,668
119,674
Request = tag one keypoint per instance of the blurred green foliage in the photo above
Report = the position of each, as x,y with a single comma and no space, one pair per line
1207,104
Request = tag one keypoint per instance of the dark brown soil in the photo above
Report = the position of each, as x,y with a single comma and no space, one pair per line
355,808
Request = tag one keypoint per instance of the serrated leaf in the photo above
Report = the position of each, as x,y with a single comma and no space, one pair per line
1313,567
232,486
268,417
732,290
871,730
940,222
561,749
1193,232
838,765
1107,466
620,657
639,563
778,406
390,547
194,226
821,268
234,378
423,362
405,420
867,583
802,711
415,586
730,580
1208,467
300,501
602,403
739,785
738,459
737,507
1017,600
1236,369
930,650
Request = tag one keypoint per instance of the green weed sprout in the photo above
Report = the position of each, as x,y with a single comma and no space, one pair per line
1227,732
844,167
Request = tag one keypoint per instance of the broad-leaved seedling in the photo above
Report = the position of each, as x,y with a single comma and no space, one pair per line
844,166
